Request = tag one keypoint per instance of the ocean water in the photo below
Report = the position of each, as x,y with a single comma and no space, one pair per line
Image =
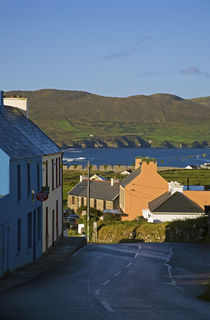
126,156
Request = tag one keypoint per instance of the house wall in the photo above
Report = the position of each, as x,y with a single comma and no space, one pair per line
172,217
52,227
4,173
147,186
99,203
28,247
20,103
202,198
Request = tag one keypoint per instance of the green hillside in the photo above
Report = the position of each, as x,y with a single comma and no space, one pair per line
77,118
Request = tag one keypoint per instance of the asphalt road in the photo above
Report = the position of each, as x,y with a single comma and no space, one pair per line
121,281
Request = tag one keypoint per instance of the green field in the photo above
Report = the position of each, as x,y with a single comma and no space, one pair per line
88,120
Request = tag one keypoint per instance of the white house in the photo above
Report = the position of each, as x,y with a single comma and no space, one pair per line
172,206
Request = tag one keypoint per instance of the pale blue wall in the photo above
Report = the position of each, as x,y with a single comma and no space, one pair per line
11,210
4,173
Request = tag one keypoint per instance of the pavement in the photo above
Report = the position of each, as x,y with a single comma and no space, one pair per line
57,254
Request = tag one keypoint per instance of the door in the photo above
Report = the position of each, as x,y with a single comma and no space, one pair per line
4,240
34,234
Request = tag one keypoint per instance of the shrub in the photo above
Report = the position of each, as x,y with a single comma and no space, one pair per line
111,217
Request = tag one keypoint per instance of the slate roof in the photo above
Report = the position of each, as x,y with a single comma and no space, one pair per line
130,177
98,190
176,202
20,138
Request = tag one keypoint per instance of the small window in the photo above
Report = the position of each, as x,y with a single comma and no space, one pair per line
56,214
73,199
46,172
29,230
82,202
38,176
95,203
28,179
18,183
52,174
59,170
104,205
39,223
47,231
19,235
56,172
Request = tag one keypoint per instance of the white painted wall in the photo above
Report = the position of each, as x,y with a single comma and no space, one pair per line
18,102
50,203
171,217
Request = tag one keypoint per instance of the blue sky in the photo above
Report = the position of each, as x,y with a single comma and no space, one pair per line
108,47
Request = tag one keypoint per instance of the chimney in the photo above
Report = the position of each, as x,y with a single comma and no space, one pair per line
18,102
1,101
112,182
138,162
80,178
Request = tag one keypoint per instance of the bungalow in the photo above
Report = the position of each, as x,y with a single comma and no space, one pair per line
103,195
172,206
25,222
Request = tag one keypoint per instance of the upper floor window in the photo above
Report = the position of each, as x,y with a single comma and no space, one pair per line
52,174
59,171
56,172
38,176
28,179
46,173
18,182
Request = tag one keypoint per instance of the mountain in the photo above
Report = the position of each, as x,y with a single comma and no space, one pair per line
76,118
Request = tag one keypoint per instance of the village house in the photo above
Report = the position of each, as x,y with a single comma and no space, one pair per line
144,185
26,224
141,187
172,206
103,195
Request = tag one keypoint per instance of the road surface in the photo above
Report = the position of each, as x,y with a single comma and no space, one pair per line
119,281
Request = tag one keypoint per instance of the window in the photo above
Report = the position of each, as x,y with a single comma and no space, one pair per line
104,205
18,182
56,214
19,235
52,174
28,179
29,233
46,172
73,199
47,232
95,203
82,201
39,223
59,171
38,176
56,172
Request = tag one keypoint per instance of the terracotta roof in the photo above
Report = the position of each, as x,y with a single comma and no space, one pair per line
98,190
176,202
130,177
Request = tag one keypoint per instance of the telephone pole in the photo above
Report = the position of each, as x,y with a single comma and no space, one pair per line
88,204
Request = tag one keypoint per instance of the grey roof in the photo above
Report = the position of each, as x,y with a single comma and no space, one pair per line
20,138
130,177
98,190
176,202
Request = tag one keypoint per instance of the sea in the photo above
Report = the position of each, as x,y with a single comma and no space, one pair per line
179,158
